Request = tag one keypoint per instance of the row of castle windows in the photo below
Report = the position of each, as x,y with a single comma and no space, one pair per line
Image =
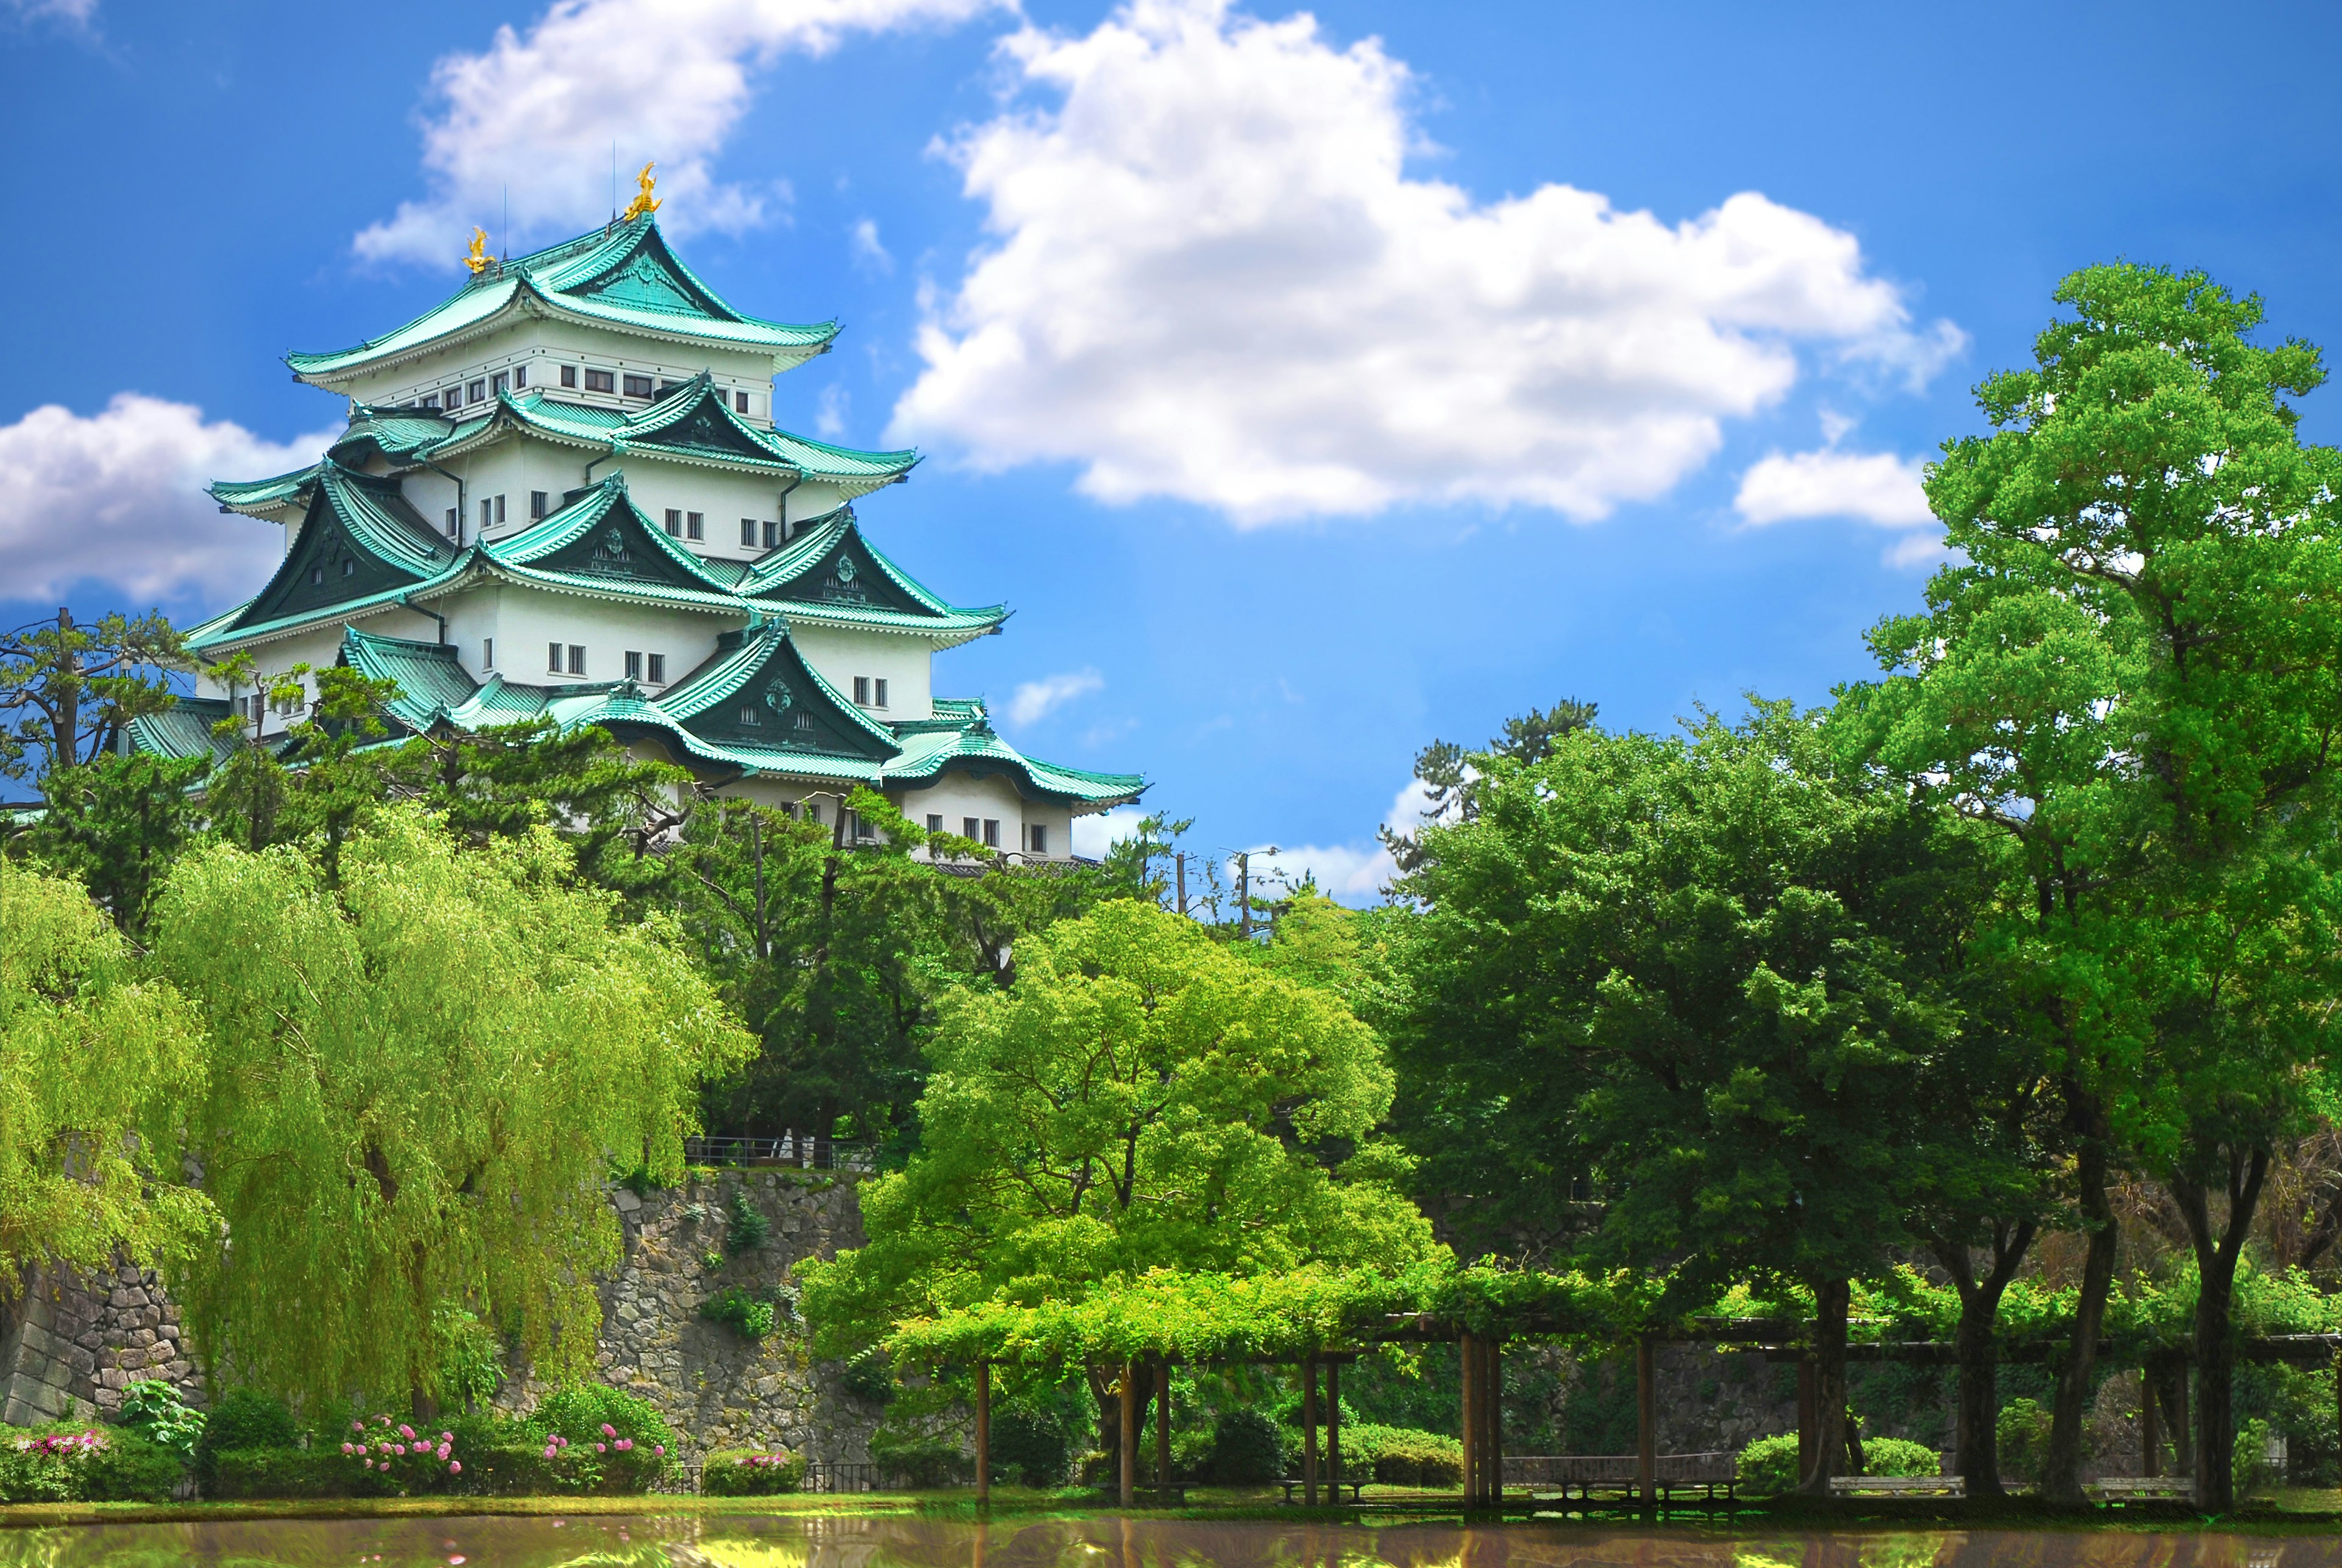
985,831
480,389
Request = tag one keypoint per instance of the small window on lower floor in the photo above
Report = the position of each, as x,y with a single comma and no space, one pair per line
772,532
553,658
813,812
935,821
969,827
991,833
861,691
634,666
747,532
1038,837
577,658
487,655
739,402
674,523
475,392
695,524
878,693
568,376
859,828
520,377
601,381
500,382
749,717
539,504
454,525
658,670
639,386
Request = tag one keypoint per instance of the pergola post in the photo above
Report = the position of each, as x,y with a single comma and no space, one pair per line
1334,1430
1647,1421
2150,1442
1466,1350
1492,1422
1309,1429
1163,1428
1125,1481
984,1432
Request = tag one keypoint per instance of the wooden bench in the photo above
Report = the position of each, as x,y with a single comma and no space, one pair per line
1898,1486
1332,1489
2143,1489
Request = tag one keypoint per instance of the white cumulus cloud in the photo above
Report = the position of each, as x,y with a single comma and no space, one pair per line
1349,872
1037,700
1875,487
1211,277
117,497
536,112
1094,835
863,243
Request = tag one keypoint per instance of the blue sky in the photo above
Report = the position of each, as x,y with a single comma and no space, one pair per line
1315,383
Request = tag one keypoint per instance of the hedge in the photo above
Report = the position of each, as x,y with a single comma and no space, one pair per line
751,1473
85,1464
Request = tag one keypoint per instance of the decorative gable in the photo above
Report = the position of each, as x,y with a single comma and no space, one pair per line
645,279
848,575
619,547
783,706
326,567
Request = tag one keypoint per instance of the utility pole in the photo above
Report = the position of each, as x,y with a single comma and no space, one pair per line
1183,883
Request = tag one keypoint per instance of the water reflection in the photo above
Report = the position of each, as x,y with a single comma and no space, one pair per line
755,1542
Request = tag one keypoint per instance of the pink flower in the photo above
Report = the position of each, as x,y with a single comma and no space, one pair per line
443,1450
369,1464
406,1431
609,1430
456,1467
599,1448
660,1450
446,1437
626,1445
348,1448
357,1426
550,1450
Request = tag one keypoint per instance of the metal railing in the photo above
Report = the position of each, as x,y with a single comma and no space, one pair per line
820,1477
1615,1469
802,1150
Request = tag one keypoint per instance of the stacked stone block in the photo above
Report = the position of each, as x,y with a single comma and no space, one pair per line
74,1341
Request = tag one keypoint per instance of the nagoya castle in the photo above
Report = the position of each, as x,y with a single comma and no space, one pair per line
562,494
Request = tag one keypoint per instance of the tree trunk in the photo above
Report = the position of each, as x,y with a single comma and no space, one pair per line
1976,1447
2061,1480
2170,1376
2215,1295
1830,1301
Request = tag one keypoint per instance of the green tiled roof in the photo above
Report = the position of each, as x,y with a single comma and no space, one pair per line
932,750
792,579
431,684
184,731
623,276
360,546
234,496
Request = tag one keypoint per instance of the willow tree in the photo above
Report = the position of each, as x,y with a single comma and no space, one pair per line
1141,1096
2132,674
422,1069
96,1066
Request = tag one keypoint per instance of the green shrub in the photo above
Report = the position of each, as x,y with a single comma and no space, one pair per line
2248,1464
254,1473
751,1473
1768,1466
2021,1433
1031,1447
572,1469
748,1227
870,1376
1401,1456
751,1318
1900,1456
131,1468
1247,1448
924,1463
45,1466
243,1418
580,1413
157,1411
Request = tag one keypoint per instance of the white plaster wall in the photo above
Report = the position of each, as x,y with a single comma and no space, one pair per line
902,661
542,346
522,620
955,796
318,647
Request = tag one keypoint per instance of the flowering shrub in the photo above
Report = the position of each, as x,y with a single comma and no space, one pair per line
400,1454
752,1473
85,1464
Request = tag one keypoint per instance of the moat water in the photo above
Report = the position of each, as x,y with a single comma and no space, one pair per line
745,1541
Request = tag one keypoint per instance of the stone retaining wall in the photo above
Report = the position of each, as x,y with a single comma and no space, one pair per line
73,1341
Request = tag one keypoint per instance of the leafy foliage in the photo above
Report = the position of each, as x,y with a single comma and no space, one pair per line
1247,1448
751,1471
419,1070
155,1410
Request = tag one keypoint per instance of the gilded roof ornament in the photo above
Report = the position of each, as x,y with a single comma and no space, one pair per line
644,204
479,260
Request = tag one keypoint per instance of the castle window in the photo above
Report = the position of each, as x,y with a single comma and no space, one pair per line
455,398
487,655
520,377
639,386
658,669
772,533
431,403
969,827
739,402
674,523
487,512
577,658
862,830
991,833
538,504
348,567
316,576
749,717
1040,837
813,812
747,532
805,719
475,392
935,821
634,666
455,525
601,381
569,375
500,510
552,658
695,525
500,382
861,691
882,694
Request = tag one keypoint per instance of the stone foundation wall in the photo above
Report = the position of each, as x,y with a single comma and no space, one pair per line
715,1388
72,1342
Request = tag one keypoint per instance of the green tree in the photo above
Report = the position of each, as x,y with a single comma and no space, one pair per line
118,823
97,1067
1142,1096
71,687
1448,772
420,1071
2133,671
1700,976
